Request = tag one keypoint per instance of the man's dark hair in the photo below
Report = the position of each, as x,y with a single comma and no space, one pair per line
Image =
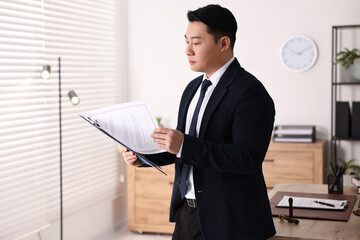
219,20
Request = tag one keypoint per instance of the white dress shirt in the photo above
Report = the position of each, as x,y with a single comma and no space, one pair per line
215,78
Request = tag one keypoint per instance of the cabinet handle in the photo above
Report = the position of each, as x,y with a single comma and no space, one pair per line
268,160
171,183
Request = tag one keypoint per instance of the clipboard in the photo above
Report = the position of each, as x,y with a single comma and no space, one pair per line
313,203
141,158
323,214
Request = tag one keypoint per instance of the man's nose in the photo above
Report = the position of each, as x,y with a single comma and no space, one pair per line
189,51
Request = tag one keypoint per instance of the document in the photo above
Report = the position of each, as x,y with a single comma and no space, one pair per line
130,124
315,203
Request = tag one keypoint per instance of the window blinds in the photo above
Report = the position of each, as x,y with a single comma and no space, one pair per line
32,34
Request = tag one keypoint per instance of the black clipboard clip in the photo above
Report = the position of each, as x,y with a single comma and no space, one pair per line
345,204
93,122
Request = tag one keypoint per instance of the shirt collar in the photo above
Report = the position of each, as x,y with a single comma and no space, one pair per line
215,78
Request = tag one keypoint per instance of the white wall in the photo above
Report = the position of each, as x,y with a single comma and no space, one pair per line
158,68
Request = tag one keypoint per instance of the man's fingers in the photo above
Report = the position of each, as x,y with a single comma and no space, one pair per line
160,134
123,149
160,130
128,154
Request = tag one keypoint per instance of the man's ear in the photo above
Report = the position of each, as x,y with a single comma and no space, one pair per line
224,43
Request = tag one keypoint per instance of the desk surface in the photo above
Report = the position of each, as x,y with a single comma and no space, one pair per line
316,229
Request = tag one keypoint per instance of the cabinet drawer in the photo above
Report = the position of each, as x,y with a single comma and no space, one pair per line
152,211
288,166
150,183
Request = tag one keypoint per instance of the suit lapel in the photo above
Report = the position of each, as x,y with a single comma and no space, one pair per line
219,92
188,96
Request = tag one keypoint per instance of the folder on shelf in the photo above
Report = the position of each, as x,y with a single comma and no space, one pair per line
324,214
342,119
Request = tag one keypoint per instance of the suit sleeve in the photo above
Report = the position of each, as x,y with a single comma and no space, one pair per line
161,159
235,144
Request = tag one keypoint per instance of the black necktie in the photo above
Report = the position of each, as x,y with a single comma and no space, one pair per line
192,132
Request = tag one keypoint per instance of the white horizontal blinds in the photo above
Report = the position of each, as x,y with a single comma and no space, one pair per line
83,34
34,33
28,136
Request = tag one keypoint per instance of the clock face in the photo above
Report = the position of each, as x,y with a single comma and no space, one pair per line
299,53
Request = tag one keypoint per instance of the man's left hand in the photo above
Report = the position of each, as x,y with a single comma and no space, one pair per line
168,139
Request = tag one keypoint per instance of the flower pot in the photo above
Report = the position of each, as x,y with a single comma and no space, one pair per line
354,70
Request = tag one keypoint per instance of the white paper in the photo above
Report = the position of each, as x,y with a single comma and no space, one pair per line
303,202
293,131
131,123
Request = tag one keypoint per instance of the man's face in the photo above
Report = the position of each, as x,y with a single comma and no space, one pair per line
202,51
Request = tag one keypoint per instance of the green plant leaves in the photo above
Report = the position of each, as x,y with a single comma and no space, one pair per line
347,57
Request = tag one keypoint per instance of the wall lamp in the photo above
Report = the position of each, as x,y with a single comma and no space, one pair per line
74,99
46,73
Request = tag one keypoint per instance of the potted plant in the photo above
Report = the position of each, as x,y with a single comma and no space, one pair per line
158,119
350,170
350,59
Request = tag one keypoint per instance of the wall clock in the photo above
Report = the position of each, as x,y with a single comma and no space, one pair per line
298,53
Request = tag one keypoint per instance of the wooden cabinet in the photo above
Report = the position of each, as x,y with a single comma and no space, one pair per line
149,194
294,162
149,191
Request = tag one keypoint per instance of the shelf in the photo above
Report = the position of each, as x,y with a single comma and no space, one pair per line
346,26
345,139
337,85
346,83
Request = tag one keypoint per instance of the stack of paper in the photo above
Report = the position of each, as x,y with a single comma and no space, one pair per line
294,133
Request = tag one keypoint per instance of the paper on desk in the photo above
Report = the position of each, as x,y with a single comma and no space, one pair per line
304,202
130,123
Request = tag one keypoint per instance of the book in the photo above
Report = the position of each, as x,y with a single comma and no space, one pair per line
342,119
355,122
356,181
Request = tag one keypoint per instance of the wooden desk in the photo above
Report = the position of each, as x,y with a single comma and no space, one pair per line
316,229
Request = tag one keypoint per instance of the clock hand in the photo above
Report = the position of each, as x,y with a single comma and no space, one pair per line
298,53
304,49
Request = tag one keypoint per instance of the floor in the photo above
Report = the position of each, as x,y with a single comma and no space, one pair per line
125,234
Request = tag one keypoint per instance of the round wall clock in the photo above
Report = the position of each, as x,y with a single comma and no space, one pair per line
298,53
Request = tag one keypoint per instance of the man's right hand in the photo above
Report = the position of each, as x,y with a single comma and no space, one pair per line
129,157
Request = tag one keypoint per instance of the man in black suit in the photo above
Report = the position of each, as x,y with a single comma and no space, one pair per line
224,127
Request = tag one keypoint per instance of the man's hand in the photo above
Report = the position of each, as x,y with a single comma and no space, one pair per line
168,139
130,158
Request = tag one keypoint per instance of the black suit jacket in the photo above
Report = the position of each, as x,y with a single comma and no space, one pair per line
227,157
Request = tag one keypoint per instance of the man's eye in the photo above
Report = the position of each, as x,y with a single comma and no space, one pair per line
196,44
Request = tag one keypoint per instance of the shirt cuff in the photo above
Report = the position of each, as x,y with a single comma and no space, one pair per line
180,150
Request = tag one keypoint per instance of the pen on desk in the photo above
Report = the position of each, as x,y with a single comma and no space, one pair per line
324,203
